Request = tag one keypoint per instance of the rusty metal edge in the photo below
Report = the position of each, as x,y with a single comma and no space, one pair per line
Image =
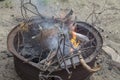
94,54
11,48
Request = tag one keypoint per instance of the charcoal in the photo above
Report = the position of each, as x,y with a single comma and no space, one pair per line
29,51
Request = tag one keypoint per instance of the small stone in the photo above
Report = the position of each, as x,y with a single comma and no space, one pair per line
110,68
11,7
100,29
9,55
110,32
106,36
3,58
12,15
3,51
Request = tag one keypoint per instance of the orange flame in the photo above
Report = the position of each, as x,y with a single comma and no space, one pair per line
74,40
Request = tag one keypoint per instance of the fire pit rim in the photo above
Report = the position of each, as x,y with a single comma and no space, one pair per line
11,47
96,52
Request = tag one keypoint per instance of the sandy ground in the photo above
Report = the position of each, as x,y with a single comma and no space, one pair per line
107,11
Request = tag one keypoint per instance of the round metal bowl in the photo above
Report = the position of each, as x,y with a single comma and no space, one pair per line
30,70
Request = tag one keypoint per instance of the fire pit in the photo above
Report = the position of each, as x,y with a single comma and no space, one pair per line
31,69
54,48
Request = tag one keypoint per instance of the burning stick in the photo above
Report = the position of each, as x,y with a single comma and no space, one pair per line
87,67
81,37
77,38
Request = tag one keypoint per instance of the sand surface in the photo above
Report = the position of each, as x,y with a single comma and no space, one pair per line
107,23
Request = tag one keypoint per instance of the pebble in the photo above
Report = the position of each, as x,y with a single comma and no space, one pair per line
11,7
110,67
9,55
3,51
106,36
12,15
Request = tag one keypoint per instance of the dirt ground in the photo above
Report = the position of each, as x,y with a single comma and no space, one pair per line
103,14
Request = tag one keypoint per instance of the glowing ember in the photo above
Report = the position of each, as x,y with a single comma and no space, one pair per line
74,40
